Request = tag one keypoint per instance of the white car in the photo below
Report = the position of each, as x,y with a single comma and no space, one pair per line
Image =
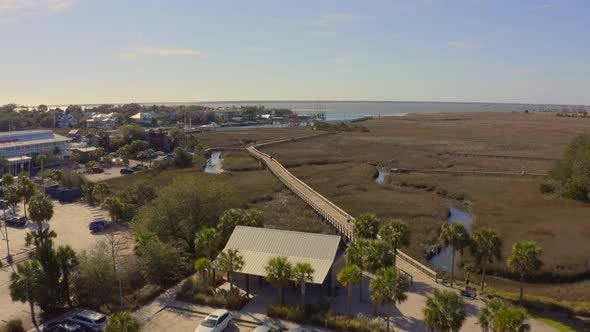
93,320
216,322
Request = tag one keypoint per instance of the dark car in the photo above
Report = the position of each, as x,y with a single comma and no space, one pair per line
135,168
16,222
127,171
97,170
98,225
64,326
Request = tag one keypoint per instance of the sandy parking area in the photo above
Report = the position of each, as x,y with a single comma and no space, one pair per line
70,222
173,320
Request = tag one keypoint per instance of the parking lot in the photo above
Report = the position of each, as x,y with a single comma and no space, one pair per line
70,222
173,320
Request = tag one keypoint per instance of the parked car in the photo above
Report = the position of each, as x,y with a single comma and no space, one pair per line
135,168
127,171
216,322
267,328
114,155
16,222
93,320
64,326
98,225
97,170
160,153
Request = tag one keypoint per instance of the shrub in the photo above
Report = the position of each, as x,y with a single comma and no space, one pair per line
148,293
293,314
325,319
13,325
159,262
193,290
546,188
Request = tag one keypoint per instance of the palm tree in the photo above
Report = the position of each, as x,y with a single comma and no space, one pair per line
203,265
143,238
101,189
122,322
7,180
26,285
40,209
40,237
42,160
512,319
207,241
444,311
114,205
12,197
356,254
149,153
278,272
396,234
525,260
485,247
230,261
349,276
389,287
26,188
455,235
66,257
302,273
499,315
366,226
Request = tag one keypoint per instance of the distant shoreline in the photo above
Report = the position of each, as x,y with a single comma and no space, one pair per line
255,102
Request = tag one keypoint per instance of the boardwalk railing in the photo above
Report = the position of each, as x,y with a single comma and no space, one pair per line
419,266
465,172
341,220
289,179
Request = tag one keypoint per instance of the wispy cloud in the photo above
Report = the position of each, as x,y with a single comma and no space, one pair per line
12,10
259,49
467,44
324,20
133,52
542,7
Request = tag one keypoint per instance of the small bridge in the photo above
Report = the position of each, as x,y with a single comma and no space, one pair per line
334,215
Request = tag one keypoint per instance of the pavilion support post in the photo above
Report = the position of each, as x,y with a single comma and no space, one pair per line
330,282
248,285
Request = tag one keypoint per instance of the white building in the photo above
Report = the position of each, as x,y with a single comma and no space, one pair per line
21,147
65,120
101,120
144,118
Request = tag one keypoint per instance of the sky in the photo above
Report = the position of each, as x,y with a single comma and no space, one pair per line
119,51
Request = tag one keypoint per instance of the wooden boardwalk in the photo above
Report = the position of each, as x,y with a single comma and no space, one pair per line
334,215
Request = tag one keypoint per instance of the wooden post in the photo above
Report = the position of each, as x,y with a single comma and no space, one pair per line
248,285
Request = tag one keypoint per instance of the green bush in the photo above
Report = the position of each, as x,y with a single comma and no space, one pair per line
325,319
148,293
546,188
13,325
346,323
293,314
194,291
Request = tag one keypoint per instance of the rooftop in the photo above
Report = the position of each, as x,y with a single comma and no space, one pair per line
26,137
258,245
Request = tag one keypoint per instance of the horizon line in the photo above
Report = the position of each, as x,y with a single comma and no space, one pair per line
309,101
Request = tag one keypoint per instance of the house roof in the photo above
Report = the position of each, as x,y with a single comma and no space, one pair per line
258,245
